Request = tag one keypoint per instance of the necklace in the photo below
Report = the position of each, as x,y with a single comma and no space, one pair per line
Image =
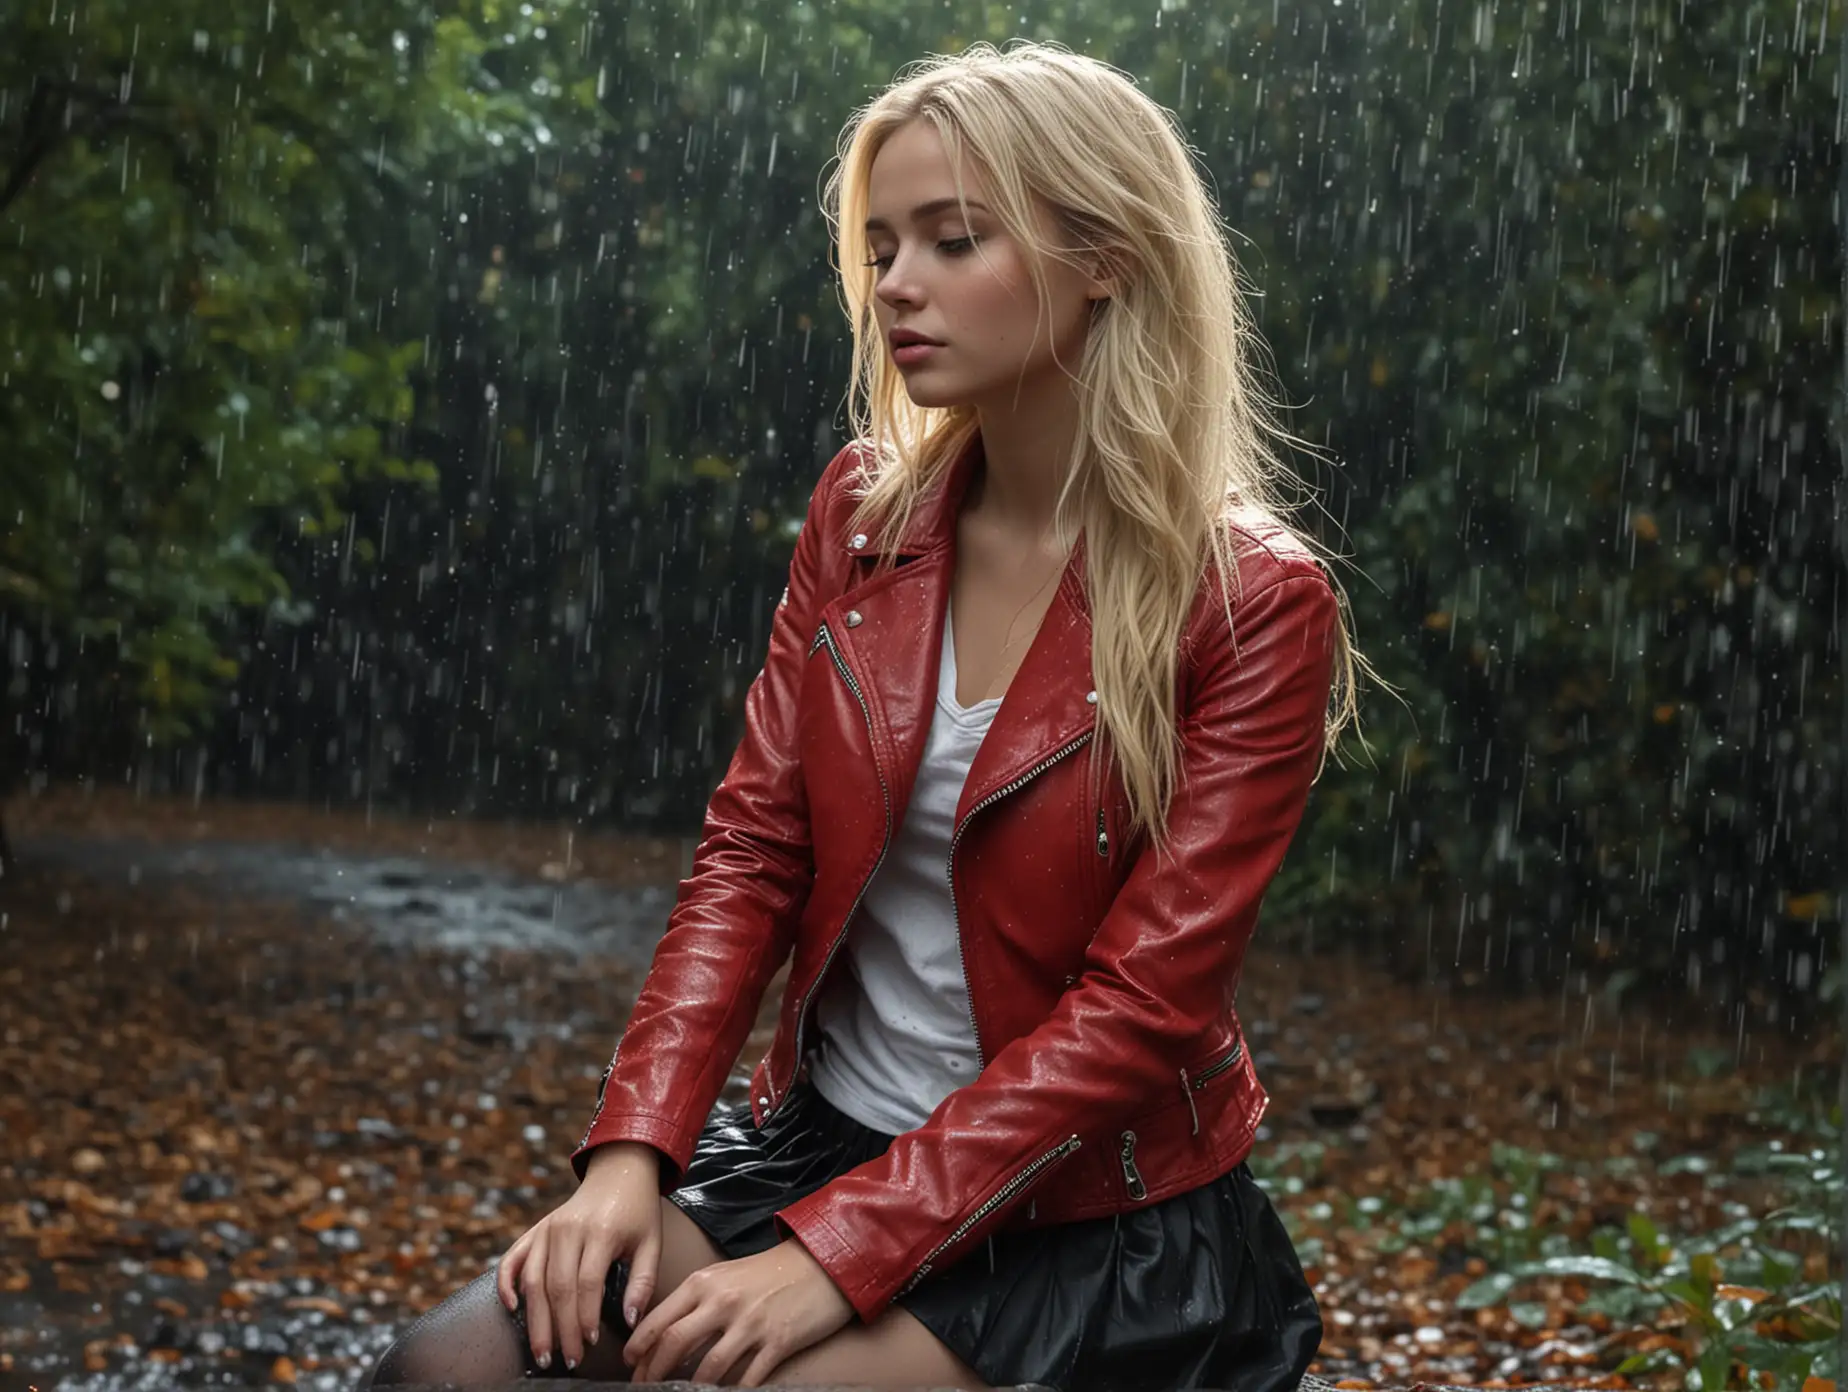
1010,640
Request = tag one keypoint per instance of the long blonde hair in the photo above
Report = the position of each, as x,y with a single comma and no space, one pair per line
1172,435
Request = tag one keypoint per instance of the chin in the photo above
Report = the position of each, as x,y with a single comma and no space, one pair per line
935,395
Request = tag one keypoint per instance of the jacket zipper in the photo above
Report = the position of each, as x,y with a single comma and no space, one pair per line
603,1088
981,1054
1189,1086
1131,1176
1103,837
1218,1066
995,1200
823,636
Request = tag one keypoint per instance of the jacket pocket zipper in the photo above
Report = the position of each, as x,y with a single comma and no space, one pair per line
1131,1176
1189,1086
1103,837
994,1201
1218,1066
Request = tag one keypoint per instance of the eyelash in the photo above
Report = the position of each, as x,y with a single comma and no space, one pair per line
961,244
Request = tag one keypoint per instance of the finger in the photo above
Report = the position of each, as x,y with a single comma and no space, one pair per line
677,1341
643,1268
593,1272
507,1273
532,1291
720,1357
768,1360
642,1337
561,1292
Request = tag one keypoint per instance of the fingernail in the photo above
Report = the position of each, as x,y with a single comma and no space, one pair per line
570,1365
629,1314
544,1360
596,1334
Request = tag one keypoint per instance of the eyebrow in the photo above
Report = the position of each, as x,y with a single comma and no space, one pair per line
922,211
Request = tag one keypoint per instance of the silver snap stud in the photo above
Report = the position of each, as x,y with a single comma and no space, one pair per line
853,618
859,540
763,1101
1090,698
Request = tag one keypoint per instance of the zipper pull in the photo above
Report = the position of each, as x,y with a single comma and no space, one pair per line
1130,1175
1103,837
1188,1092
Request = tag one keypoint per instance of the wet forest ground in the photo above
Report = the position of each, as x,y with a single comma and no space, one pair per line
279,1079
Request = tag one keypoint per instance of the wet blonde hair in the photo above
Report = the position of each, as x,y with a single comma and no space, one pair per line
1173,431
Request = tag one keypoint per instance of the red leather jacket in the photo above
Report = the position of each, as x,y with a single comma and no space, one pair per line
1100,979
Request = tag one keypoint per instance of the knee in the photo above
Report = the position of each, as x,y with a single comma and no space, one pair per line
468,1337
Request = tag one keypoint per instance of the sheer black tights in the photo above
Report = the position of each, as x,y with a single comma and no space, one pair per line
472,1338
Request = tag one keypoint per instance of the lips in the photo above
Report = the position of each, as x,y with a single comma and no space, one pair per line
904,338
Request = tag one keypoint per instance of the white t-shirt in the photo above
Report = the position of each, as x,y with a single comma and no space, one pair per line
894,1034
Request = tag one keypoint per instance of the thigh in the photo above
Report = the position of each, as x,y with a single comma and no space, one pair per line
684,1250
895,1350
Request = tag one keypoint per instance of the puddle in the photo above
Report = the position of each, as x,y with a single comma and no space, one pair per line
467,909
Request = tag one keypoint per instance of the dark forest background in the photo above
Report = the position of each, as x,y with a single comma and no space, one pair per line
413,407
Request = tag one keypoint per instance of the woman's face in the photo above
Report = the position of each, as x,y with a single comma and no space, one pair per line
979,305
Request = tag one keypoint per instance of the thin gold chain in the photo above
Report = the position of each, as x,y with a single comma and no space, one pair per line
1008,646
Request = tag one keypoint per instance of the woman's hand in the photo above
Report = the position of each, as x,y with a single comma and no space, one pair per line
560,1263
762,1309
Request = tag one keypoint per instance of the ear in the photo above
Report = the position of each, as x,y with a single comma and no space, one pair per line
1106,271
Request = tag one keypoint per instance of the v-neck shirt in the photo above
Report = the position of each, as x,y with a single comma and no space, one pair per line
895,1037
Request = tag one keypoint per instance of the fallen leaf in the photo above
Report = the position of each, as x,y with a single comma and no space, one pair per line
1740,1293
315,1302
323,1220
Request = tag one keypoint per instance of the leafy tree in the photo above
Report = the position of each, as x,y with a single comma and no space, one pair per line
201,212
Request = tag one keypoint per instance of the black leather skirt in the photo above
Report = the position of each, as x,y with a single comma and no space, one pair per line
1202,1289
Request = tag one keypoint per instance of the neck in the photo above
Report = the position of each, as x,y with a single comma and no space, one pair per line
1026,451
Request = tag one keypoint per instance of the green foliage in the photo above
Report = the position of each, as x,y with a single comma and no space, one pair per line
1735,1298
194,206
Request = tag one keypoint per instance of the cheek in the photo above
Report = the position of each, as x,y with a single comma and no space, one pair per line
998,311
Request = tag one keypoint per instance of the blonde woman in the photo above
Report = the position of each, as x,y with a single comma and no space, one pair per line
1043,703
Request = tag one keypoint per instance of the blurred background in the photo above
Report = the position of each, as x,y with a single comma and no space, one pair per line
406,410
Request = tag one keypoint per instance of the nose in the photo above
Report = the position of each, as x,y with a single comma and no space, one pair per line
895,287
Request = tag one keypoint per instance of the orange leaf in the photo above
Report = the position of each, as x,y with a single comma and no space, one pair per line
322,1221
1816,1384
283,1369
1740,1293
316,1302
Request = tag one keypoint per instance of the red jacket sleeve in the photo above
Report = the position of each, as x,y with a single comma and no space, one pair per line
1252,738
734,920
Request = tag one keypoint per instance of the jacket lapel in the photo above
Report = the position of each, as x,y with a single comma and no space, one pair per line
890,632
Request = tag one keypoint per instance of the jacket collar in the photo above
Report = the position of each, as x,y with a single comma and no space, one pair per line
933,520
889,630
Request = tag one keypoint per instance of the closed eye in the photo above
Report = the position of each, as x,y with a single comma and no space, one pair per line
954,246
